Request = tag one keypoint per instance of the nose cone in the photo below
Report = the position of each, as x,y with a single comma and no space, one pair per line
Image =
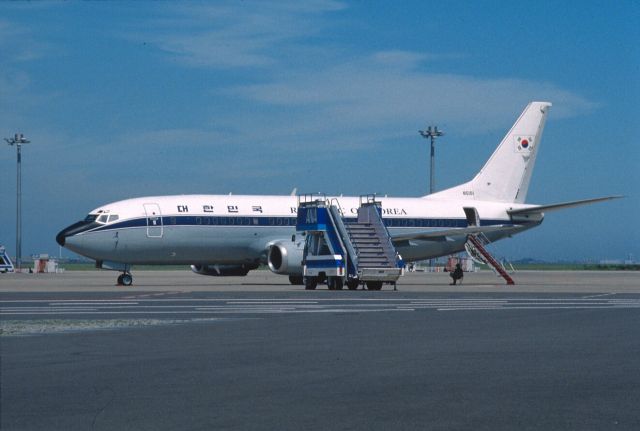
61,237
72,230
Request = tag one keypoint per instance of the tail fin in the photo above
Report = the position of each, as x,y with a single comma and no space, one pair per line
506,175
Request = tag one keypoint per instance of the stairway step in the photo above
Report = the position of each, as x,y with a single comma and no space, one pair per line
365,240
372,259
362,232
368,236
375,265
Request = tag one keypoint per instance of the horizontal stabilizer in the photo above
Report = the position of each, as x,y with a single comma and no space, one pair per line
443,234
554,207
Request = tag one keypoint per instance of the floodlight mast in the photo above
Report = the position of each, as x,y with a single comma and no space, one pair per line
432,133
18,140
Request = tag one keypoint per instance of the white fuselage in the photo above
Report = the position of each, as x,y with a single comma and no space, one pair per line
239,229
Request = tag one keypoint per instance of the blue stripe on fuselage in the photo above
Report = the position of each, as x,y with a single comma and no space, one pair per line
266,221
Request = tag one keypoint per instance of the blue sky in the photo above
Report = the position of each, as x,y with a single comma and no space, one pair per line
126,99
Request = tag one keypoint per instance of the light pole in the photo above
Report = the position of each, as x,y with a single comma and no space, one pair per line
18,140
432,133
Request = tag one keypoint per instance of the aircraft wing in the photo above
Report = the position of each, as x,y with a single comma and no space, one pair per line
554,207
443,234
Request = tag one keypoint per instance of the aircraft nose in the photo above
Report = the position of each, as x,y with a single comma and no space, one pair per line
61,237
72,230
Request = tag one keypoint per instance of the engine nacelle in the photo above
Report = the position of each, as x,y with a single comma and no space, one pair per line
223,270
286,257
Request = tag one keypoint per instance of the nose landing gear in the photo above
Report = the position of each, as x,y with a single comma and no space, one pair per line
125,279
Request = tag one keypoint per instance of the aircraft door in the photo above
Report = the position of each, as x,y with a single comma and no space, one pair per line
155,229
473,219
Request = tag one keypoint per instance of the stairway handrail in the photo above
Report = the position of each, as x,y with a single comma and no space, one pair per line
494,264
308,198
368,198
343,235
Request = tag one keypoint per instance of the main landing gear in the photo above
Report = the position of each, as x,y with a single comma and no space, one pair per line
296,280
125,279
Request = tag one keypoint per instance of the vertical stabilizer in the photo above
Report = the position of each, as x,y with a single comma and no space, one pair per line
506,175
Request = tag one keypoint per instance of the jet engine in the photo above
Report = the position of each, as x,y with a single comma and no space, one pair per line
223,270
286,258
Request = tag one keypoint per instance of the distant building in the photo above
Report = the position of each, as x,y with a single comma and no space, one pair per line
43,263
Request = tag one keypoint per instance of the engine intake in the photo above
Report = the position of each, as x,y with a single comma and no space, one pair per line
285,258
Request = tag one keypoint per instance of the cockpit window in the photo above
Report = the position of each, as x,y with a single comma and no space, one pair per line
113,217
103,218
91,218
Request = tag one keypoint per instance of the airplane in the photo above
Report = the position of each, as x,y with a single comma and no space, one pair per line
230,235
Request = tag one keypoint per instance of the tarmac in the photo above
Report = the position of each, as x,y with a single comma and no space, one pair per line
265,281
559,350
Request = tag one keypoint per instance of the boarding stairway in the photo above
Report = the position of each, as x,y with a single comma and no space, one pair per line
363,246
5,261
377,258
476,250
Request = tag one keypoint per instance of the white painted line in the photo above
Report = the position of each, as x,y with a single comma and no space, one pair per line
541,307
596,296
314,299
57,309
271,302
240,311
53,304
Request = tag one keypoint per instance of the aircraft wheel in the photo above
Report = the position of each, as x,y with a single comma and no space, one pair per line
296,280
353,283
120,283
310,283
374,285
127,279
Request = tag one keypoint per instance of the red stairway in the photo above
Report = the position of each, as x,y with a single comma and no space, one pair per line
489,259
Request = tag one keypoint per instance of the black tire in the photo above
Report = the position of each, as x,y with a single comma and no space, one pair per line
330,283
374,285
335,283
296,280
120,283
310,283
353,283
338,284
127,279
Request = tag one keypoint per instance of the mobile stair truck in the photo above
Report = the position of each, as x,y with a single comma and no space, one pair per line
5,261
346,251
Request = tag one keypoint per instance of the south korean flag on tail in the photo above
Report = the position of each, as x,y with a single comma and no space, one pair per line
524,144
